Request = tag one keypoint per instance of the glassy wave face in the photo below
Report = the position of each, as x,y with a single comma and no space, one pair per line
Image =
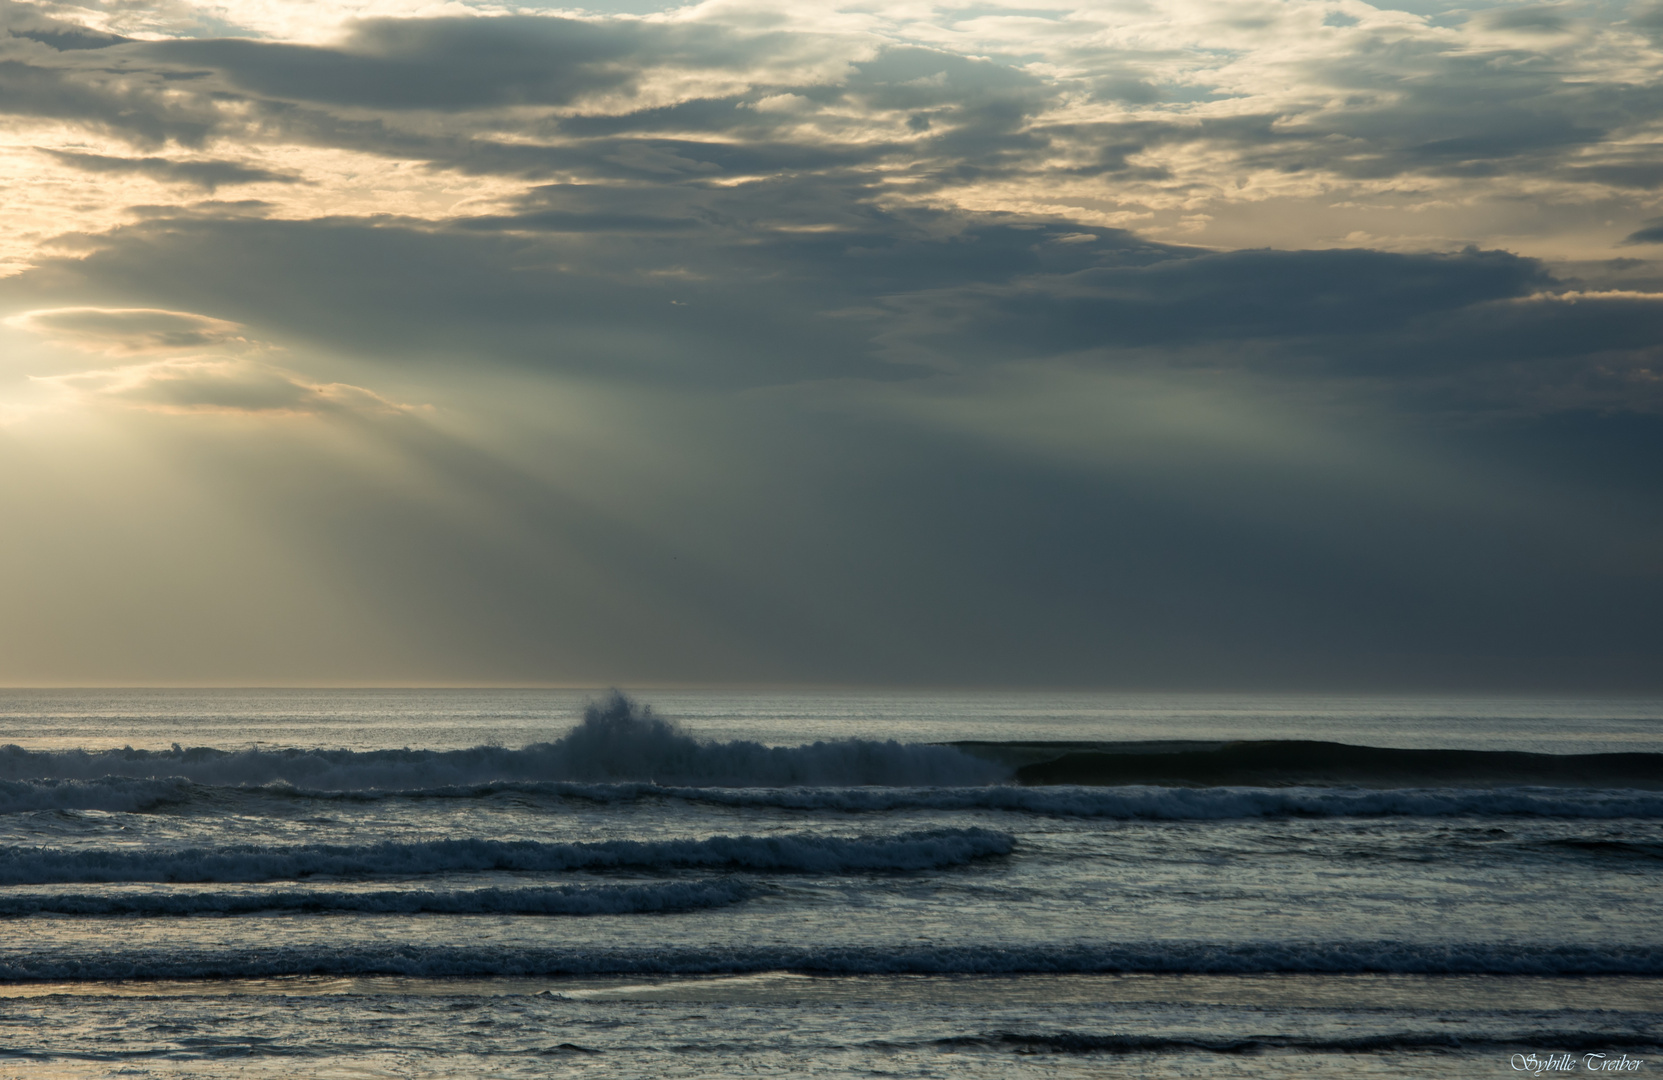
1070,871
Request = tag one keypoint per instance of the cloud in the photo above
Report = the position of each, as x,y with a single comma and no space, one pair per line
693,296
705,289
209,175
1225,111
1245,295
66,37
136,103
1529,20
219,385
812,342
1652,233
126,331
444,64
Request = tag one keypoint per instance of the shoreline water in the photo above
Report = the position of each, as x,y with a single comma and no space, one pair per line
630,896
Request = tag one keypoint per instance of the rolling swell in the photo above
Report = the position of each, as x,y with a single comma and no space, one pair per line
792,853
1074,1042
1344,957
1282,763
116,794
551,900
124,794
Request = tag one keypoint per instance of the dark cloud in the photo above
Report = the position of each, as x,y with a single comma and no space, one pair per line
1648,15
208,175
903,442
1530,20
720,289
1646,175
65,37
1418,106
948,119
110,105
1651,233
441,64
1252,294
589,303
127,330
1474,331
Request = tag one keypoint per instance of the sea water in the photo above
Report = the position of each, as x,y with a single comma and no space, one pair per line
497,883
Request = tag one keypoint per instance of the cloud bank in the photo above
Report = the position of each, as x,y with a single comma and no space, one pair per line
1183,343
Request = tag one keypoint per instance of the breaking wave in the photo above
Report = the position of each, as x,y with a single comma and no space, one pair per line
623,752
791,853
617,740
1345,957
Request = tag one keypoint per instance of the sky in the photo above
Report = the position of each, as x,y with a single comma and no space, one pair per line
1211,344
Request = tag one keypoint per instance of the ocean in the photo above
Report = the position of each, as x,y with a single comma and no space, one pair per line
508,883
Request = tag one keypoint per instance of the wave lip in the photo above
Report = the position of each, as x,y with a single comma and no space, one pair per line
552,900
1336,958
792,853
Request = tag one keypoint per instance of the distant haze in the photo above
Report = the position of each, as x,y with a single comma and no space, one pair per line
1189,344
